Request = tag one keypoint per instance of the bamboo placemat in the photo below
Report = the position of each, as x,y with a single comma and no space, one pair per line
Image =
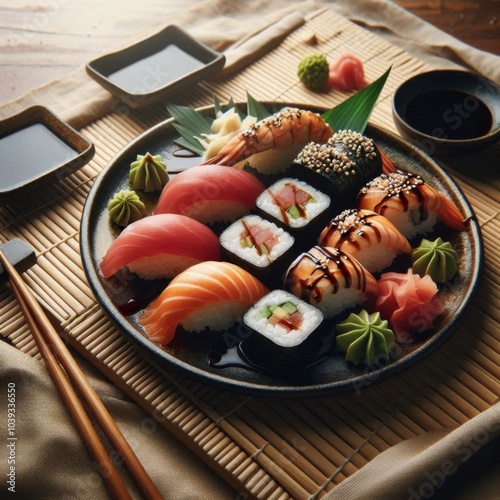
272,449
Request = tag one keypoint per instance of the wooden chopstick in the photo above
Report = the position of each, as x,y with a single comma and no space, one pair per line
55,354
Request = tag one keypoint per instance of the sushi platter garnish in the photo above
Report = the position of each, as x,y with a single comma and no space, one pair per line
292,250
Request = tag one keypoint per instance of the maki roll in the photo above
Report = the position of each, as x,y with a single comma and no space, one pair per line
329,279
282,331
409,203
255,243
370,238
294,204
341,166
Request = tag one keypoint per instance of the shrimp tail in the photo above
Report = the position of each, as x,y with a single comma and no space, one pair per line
387,166
447,211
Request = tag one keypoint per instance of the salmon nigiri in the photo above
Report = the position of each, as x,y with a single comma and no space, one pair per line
211,295
370,238
160,246
409,203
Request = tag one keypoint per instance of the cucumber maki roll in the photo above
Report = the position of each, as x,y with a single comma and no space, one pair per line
283,331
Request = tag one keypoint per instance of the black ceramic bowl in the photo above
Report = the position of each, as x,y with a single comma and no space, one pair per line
448,112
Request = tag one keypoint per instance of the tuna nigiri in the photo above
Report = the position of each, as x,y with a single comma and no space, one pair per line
370,238
211,295
329,279
409,203
212,193
161,246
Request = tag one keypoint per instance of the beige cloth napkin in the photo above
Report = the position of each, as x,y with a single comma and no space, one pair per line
419,467
51,460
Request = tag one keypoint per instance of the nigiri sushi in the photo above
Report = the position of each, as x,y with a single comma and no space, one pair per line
211,295
409,203
160,246
329,279
209,194
370,238
271,144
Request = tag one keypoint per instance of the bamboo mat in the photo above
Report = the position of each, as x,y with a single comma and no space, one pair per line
272,449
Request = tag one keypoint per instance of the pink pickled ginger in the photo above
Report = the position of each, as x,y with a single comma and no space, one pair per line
347,73
408,302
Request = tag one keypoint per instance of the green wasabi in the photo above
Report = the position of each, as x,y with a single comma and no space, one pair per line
365,338
126,207
148,173
436,259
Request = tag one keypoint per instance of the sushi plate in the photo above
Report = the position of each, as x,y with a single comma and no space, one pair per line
191,353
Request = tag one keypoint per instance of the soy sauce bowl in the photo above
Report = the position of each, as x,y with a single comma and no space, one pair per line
448,112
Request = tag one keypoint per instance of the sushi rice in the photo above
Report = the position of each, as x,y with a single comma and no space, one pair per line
161,266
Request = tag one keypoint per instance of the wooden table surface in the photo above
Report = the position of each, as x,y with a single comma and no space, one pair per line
45,40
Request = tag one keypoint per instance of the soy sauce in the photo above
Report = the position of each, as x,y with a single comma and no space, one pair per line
156,70
449,114
30,152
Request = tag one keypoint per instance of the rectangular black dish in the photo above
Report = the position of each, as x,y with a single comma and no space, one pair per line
155,67
37,148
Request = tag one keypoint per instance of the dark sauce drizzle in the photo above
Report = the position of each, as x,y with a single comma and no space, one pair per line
411,187
326,264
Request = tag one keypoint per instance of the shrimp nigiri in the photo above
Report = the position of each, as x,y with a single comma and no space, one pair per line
329,279
211,295
370,238
409,203
271,144
160,246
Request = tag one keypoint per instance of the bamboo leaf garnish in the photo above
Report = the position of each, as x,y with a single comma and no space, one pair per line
190,124
255,108
354,113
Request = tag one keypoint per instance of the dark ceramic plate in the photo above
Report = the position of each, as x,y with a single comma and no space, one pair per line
156,67
37,148
448,112
330,375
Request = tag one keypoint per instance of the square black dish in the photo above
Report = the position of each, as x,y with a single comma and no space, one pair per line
37,148
156,67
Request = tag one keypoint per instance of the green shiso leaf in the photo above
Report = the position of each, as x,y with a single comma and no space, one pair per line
353,113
